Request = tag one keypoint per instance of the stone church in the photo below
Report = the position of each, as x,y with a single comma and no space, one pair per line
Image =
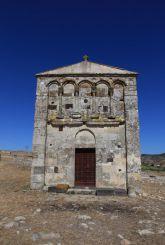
86,131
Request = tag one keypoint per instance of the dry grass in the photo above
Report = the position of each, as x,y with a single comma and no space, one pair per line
111,217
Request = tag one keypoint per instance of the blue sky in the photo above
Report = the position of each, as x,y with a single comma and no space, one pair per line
43,34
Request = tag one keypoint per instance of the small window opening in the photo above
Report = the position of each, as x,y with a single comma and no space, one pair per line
68,106
52,107
105,108
60,128
55,169
85,101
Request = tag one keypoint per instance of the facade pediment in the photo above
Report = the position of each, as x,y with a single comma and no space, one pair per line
87,67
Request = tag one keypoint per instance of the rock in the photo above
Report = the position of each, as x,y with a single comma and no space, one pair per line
49,243
114,217
19,218
45,236
70,225
38,210
18,232
84,225
62,187
145,232
120,236
51,235
91,223
132,194
22,222
125,242
161,232
84,217
10,225
144,194
5,218
145,221
35,236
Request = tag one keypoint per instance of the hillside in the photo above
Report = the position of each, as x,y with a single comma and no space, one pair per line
153,159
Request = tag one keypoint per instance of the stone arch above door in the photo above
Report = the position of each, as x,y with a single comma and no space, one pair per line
85,139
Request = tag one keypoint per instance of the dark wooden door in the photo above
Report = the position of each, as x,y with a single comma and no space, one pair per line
85,167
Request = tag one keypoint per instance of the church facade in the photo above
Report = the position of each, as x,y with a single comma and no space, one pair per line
86,131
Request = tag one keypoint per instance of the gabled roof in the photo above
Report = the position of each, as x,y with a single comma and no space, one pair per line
87,67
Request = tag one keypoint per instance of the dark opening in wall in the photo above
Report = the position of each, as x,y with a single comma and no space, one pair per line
105,108
60,128
56,169
52,107
68,106
85,101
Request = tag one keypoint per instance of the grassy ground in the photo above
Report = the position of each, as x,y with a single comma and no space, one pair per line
152,168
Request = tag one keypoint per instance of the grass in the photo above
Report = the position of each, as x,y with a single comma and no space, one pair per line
152,168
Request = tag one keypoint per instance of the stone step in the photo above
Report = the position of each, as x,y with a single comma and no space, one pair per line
81,191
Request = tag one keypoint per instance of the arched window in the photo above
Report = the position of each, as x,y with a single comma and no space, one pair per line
118,100
53,90
85,89
68,89
118,92
101,90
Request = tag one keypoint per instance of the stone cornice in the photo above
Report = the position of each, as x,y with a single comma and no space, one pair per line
88,75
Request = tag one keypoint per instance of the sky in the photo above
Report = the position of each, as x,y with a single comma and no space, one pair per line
40,35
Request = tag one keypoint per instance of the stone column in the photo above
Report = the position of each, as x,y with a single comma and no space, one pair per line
76,99
60,100
93,99
110,104
132,139
39,138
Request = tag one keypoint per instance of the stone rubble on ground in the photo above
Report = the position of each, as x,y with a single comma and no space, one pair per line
123,240
145,232
45,236
114,217
10,225
84,217
19,218
84,225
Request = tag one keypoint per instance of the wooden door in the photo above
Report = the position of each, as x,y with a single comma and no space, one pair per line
85,167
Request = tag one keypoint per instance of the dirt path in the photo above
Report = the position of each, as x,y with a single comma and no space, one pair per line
33,217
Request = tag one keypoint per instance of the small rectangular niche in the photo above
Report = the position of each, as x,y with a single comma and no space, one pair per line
105,108
60,128
55,169
69,106
52,107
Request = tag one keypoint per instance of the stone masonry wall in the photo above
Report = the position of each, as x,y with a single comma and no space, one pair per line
106,106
